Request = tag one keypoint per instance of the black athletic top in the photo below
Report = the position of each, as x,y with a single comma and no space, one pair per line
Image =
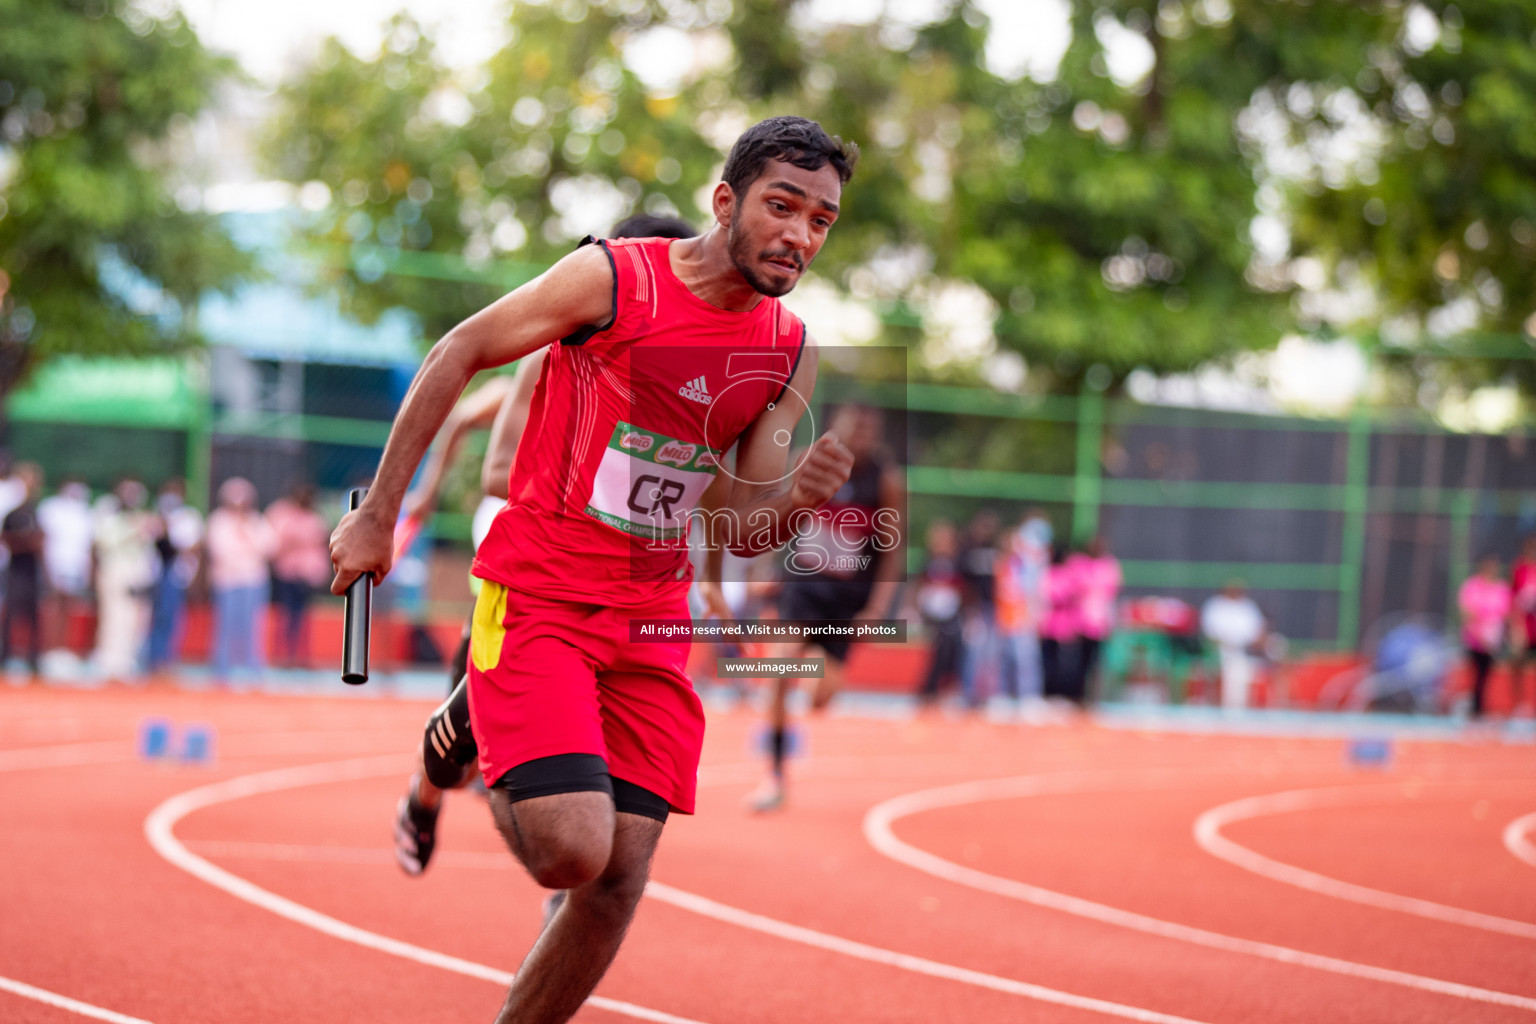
842,548
21,533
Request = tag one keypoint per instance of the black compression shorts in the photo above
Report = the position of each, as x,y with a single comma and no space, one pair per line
824,600
580,773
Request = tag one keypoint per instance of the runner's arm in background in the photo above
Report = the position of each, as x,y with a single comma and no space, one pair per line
507,430
765,504
716,496
890,562
478,410
574,293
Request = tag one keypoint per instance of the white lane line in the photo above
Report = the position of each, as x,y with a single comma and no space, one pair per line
916,964
236,745
283,741
158,827
1208,834
323,741
720,912
63,755
42,995
1517,838
344,854
829,766
878,831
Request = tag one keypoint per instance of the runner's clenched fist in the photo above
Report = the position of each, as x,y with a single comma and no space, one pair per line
361,544
824,470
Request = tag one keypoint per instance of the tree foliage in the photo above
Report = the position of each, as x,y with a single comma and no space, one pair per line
1438,217
554,138
1110,221
96,102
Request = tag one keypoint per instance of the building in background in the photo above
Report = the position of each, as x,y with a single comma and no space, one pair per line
288,388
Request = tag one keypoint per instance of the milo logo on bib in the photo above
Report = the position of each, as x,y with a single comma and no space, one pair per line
675,453
647,483
637,441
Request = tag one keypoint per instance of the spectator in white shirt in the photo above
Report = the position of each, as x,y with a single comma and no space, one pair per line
66,522
125,571
1234,623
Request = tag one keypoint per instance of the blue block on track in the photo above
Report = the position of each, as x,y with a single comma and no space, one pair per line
1370,751
155,738
197,743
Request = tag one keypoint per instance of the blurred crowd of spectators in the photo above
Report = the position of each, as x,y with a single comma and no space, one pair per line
1498,619
1013,612
137,561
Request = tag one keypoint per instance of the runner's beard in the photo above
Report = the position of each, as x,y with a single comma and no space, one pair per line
740,249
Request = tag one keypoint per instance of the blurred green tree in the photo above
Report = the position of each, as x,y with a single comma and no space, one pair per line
450,188
96,254
1107,222
1436,214
1109,214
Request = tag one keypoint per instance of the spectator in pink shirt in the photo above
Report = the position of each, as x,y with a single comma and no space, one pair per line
1485,603
1060,629
303,564
240,550
1522,619
1097,577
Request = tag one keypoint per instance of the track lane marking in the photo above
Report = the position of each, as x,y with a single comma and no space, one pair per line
1208,828
707,908
880,834
63,755
918,965
375,855
42,995
1517,838
159,829
280,741
826,766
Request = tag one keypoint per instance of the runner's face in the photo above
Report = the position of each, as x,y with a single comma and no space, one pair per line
858,427
779,225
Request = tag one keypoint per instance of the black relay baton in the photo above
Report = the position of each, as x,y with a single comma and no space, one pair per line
356,606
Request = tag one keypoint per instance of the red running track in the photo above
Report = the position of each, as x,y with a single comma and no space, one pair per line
1073,890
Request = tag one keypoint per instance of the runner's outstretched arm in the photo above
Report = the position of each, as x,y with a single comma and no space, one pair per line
574,293
890,561
477,410
507,430
716,497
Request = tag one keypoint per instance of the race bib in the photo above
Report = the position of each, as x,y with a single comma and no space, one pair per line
648,483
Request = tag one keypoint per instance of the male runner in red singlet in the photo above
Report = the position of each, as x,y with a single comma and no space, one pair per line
502,404
587,738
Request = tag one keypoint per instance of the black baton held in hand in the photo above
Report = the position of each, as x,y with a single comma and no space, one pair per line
357,605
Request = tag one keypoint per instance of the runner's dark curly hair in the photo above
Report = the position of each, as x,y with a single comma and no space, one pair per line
796,140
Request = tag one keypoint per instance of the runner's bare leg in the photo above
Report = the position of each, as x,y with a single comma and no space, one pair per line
574,952
829,685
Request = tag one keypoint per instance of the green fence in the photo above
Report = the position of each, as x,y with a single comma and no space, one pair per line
1352,497
1357,497
165,398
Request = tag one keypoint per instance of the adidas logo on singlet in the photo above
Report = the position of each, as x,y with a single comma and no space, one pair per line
696,391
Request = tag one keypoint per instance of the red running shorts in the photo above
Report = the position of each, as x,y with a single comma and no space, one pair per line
555,677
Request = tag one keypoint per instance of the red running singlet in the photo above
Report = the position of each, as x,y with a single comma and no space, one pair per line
627,428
